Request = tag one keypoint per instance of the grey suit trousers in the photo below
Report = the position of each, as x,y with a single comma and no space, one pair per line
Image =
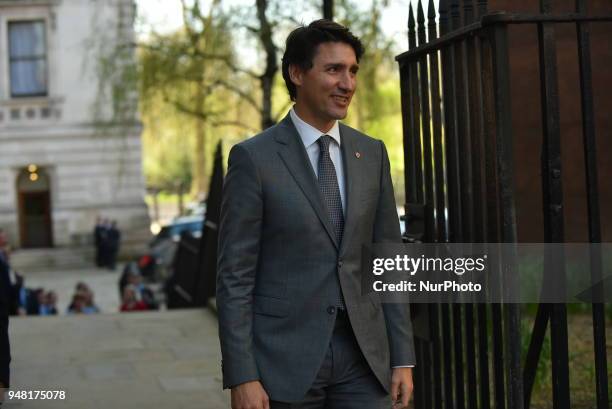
345,380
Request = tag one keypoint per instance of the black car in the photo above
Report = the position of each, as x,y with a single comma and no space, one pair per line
156,263
192,224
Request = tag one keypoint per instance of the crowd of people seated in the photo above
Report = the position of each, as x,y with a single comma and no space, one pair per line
40,302
22,300
134,295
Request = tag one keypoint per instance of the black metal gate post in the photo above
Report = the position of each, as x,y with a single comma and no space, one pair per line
507,212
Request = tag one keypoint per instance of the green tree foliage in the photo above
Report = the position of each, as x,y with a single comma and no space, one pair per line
167,147
214,79
187,73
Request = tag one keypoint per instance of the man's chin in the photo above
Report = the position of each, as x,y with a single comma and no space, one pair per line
339,114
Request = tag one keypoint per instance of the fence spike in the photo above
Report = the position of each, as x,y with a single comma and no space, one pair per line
421,23
420,13
431,10
431,17
411,28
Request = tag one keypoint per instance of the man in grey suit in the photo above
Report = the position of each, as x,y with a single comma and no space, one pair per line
300,200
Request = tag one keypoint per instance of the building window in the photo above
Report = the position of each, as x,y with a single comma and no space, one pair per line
28,58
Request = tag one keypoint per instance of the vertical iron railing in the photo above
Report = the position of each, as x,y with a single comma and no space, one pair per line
553,202
458,147
590,159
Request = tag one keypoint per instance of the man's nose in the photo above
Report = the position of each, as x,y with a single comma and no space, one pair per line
347,82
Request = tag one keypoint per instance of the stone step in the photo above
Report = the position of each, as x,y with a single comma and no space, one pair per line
76,256
26,260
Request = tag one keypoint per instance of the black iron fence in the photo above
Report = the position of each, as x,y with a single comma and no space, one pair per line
459,170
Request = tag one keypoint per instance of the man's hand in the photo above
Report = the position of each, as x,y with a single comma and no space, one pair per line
401,387
251,395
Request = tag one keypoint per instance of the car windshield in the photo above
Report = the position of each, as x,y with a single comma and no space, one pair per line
179,228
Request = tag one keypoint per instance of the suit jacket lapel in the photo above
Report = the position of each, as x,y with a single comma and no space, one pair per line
352,174
294,155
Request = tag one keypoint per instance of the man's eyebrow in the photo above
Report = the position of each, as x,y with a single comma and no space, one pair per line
353,67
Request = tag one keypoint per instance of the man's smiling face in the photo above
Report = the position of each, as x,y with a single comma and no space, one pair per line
324,92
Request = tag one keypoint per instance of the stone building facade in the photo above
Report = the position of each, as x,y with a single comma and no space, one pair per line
59,169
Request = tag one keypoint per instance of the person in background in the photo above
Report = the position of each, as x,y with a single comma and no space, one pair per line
5,350
129,270
98,239
131,300
142,291
35,299
41,302
48,305
89,306
5,274
77,304
81,286
13,282
104,243
20,295
83,300
114,243
4,246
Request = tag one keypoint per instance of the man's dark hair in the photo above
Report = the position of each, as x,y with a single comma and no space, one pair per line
302,44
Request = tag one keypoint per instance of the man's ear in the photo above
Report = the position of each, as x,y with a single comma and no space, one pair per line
296,75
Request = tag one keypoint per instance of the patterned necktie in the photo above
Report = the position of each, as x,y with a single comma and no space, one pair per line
328,183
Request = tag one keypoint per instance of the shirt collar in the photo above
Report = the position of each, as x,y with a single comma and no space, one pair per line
309,133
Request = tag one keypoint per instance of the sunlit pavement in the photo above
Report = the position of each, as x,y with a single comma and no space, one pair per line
165,359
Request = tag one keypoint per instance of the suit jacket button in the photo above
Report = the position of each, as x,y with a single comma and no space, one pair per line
331,310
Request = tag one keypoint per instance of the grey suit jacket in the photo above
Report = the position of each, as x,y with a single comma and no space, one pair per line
278,259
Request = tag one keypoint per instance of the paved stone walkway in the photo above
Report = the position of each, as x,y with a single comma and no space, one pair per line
165,359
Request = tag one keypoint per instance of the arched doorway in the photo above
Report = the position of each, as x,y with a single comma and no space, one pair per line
34,197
